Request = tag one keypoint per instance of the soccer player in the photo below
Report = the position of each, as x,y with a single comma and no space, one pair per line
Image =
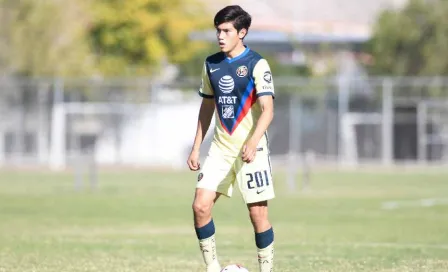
237,87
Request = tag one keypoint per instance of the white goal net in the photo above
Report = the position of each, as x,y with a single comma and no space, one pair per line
134,134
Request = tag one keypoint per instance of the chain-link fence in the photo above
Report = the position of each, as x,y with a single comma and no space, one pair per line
138,122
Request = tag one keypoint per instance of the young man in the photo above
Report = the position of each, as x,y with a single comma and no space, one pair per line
237,86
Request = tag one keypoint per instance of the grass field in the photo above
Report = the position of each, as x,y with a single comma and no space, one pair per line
142,221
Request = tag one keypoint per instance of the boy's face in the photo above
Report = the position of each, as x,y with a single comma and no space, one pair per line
228,37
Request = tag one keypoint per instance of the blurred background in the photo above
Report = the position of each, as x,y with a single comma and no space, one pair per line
98,111
116,81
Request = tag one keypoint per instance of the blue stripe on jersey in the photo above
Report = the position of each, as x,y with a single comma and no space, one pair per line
229,60
249,89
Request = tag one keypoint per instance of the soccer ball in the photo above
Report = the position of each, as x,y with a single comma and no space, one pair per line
234,268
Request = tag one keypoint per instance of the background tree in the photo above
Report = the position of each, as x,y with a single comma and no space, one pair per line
134,37
412,41
44,38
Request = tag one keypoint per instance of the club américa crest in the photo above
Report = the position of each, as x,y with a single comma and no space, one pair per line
242,71
200,176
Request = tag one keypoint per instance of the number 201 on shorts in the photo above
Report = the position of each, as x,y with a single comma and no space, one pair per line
257,179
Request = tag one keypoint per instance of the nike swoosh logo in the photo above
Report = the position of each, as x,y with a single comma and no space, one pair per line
259,192
214,70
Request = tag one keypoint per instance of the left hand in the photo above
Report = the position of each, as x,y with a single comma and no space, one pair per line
249,151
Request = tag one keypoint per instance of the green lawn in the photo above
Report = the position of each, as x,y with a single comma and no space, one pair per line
142,221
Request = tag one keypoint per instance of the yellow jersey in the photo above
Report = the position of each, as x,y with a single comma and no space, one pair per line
235,84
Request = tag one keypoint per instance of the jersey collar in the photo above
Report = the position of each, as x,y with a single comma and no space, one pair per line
230,60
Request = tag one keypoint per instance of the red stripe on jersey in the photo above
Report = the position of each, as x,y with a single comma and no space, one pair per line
250,101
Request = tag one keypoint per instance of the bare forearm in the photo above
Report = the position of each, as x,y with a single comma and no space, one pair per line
262,125
200,133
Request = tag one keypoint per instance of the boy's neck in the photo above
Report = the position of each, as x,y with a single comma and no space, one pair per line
236,51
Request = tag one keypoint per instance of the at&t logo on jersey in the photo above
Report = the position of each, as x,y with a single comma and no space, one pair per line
227,100
226,84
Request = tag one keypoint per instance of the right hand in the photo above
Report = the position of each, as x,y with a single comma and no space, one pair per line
193,160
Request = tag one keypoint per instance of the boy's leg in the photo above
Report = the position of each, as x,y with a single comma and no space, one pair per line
256,186
215,179
205,227
264,235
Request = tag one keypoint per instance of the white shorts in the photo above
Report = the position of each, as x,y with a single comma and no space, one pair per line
219,173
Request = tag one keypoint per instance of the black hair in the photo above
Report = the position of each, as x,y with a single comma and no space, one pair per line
233,14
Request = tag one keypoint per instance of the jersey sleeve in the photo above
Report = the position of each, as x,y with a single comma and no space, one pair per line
205,90
263,78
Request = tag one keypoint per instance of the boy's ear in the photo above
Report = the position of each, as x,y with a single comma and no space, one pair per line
242,33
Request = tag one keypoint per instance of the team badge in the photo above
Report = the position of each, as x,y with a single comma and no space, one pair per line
200,176
241,71
267,77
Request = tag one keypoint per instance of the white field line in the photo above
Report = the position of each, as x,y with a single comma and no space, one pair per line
374,245
424,202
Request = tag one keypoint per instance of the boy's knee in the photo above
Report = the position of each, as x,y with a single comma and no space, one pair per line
258,214
201,208
203,202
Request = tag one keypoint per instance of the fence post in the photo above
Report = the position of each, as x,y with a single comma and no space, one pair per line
2,147
343,108
387,122
58,145
422,137
294,140
42,134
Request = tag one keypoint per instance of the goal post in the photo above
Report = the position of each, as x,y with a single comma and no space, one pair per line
72,119
432,130
57,143
349,153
